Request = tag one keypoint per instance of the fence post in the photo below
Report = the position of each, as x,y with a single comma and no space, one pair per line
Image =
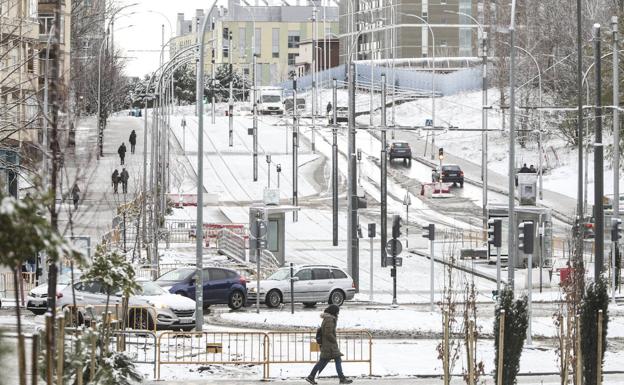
60,350
563,351
34,363
579,354
79,371
92,363
49,357
599,352
157,361
445,357
370,354
501,348
469,348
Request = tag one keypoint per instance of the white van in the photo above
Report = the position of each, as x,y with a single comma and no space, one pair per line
271,101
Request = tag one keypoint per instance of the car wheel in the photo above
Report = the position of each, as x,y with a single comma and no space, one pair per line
309,304
237,300
336,297
38,311
273,299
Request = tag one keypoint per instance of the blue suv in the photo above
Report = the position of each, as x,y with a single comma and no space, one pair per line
221,286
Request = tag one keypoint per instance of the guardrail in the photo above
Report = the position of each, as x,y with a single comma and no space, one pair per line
7,286
232,244
219,348
137,317
138,345
257,348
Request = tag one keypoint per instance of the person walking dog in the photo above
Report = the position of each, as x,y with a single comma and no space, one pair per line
329,346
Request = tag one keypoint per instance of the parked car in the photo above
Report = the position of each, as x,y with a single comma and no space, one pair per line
221,285
170,311
450,173
37,298
342,115
313,283
400,150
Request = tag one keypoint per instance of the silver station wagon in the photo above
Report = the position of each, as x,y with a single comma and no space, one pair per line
312,284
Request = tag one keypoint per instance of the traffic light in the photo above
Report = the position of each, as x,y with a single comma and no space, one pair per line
441,153
495,229
526,235
396,226
371,230
616,230
429,232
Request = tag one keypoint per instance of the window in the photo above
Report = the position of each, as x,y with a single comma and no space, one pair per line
230,274
217,275
304,275
242,40
293,39
443,43
258,42
46,21
338,274
226,33
246,71
321,274
275,42
292,57
205,275
425,14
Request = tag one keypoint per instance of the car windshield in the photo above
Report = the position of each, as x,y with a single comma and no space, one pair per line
400,145
176,275
451,168
150,288
280,275
270,98
65,279
342,108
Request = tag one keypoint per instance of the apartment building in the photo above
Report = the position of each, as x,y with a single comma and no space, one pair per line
272,32
455,34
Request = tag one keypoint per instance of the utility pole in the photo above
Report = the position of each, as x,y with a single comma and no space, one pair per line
616,120
334,163
295,153
231,99
255,120
314,76
352,218
598,160
579,99
199,225
384,172
212,72
512,155
484,126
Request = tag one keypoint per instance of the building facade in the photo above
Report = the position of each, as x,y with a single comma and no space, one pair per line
273,33
455,35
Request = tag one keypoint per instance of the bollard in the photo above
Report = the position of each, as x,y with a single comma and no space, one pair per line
501,348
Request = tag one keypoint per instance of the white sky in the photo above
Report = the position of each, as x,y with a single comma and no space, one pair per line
145,35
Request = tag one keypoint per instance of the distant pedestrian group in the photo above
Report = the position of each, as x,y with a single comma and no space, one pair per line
122,178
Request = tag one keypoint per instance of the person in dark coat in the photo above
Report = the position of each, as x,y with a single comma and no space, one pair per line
329,346
329,107
123,177
122,152
532,169
75,195
524,168
115,180
132,141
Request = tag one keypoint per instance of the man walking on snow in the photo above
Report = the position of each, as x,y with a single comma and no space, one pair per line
122,152
132,141
124,176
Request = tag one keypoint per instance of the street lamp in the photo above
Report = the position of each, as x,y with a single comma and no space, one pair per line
433,70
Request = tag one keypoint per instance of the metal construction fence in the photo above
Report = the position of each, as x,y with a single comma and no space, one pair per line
26,282
257,348
136,317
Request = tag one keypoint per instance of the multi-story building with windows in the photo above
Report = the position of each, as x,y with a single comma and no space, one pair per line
455,35
273,33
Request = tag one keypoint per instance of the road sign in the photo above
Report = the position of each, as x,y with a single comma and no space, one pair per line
394,247
429,123
394,261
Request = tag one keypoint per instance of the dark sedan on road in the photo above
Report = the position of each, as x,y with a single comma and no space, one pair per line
400,150
221,285
451,173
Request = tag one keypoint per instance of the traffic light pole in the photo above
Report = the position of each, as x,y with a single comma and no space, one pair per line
431,280
530,298
352,218
335,164
255,121
598,161
295,154
384,171
498,270
370,296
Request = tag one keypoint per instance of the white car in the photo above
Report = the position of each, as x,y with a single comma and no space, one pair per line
36,300
171,311
312,284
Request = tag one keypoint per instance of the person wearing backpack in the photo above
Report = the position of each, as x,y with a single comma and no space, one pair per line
326,337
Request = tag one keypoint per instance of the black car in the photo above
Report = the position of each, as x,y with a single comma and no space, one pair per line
342,115
400,150
452,173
